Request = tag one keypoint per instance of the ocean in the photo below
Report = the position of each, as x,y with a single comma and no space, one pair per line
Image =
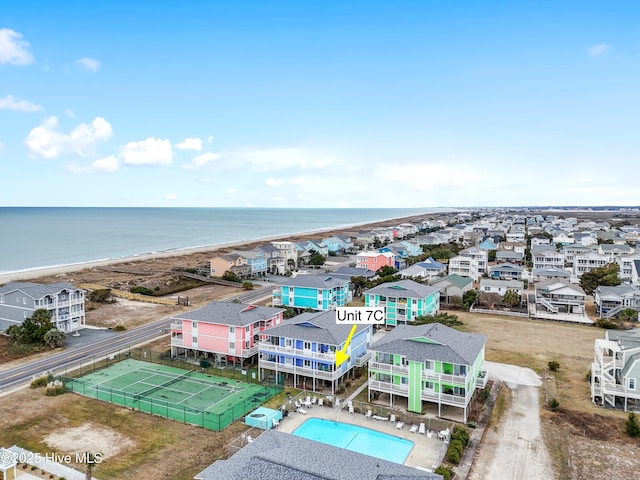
39,237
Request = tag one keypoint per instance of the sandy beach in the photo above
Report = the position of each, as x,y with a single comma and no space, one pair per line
191,257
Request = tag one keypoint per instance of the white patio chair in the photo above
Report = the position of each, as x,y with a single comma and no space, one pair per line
413,429
392,419
422,429
368,414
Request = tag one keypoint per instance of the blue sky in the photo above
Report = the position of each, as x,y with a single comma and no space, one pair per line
319,104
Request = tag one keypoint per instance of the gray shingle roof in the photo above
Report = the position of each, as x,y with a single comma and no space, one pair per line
37,290
282,456
458,280
321,281
403,288
447,345
551,271
506,266
229,313
318,327
342,272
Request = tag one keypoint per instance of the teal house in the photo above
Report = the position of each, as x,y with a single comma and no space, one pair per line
317,292
428,364
404,301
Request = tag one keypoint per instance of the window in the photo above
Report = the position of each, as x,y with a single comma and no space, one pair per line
428,385
232,345
632,384
232,329
195,325
307,345
288,342
307,363
247,328
246,344
428,365
24,301
194,339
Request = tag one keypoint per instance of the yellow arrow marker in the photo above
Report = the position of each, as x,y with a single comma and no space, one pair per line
341,355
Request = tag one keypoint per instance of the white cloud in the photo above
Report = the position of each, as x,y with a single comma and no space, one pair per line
90,64
12,103
190,144
273,182
598,49
107,164
170,196
46,141
13,49
264,159
152,151
201,161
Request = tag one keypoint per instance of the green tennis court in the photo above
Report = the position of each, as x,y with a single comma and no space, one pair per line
188,396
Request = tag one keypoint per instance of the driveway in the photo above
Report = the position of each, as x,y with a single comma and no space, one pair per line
514,449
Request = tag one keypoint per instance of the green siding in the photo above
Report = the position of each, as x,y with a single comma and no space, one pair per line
415,386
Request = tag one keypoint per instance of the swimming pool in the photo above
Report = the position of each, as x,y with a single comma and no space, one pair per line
355,438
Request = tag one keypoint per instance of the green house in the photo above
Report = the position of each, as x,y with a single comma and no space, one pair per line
428,363
404,301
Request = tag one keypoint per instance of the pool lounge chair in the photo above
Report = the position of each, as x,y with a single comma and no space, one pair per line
413,429
392,419
422,429
302,411
320,402
368,414
351,409
399,425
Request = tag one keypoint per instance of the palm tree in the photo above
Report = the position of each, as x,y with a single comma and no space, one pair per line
54,338
291,263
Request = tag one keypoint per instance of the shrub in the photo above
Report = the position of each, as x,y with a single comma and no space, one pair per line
141,290
461,434
347,383
607,324
484,394
633,426
587,376
445,470
340,390
33,467
54,388
119,328
247,285
454,452
554,366
39,381
101,296
554,404
231,277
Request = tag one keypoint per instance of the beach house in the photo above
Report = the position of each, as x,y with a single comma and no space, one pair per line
302,350
426,269
615,371
63,301
428,363
374,260
229,262
452,286
403,301
226,332
317,292
610,301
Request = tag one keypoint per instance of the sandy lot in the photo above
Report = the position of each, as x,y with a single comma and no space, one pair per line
88,438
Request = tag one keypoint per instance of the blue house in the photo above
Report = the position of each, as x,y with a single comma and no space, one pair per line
318,292
257,260
339,244
413,248
488,245
302,350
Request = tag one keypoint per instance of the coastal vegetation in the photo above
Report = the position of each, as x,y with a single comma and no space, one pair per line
447,319
605,276
37,331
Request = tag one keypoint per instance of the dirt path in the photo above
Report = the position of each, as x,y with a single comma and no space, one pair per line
514,448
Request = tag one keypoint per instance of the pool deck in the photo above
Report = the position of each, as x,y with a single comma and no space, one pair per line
424,453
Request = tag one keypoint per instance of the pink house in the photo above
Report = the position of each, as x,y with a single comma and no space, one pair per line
225,332
375,260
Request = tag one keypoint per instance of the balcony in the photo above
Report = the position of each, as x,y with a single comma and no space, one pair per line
362,361
388,368
444,398
296,352
177,342
248,352
396,389
176,327
481,379
444,377
306,371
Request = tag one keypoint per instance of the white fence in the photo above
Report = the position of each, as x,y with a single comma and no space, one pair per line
43,462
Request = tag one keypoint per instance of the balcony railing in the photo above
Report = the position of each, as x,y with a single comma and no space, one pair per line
176,326
176,342
306,371
296,352
444,398
387,387
481,380
362,361
388,368
444,377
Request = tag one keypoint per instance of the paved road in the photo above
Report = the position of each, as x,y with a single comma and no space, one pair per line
76,356
80,354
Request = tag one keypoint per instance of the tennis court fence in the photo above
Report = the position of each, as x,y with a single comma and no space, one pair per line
209,420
